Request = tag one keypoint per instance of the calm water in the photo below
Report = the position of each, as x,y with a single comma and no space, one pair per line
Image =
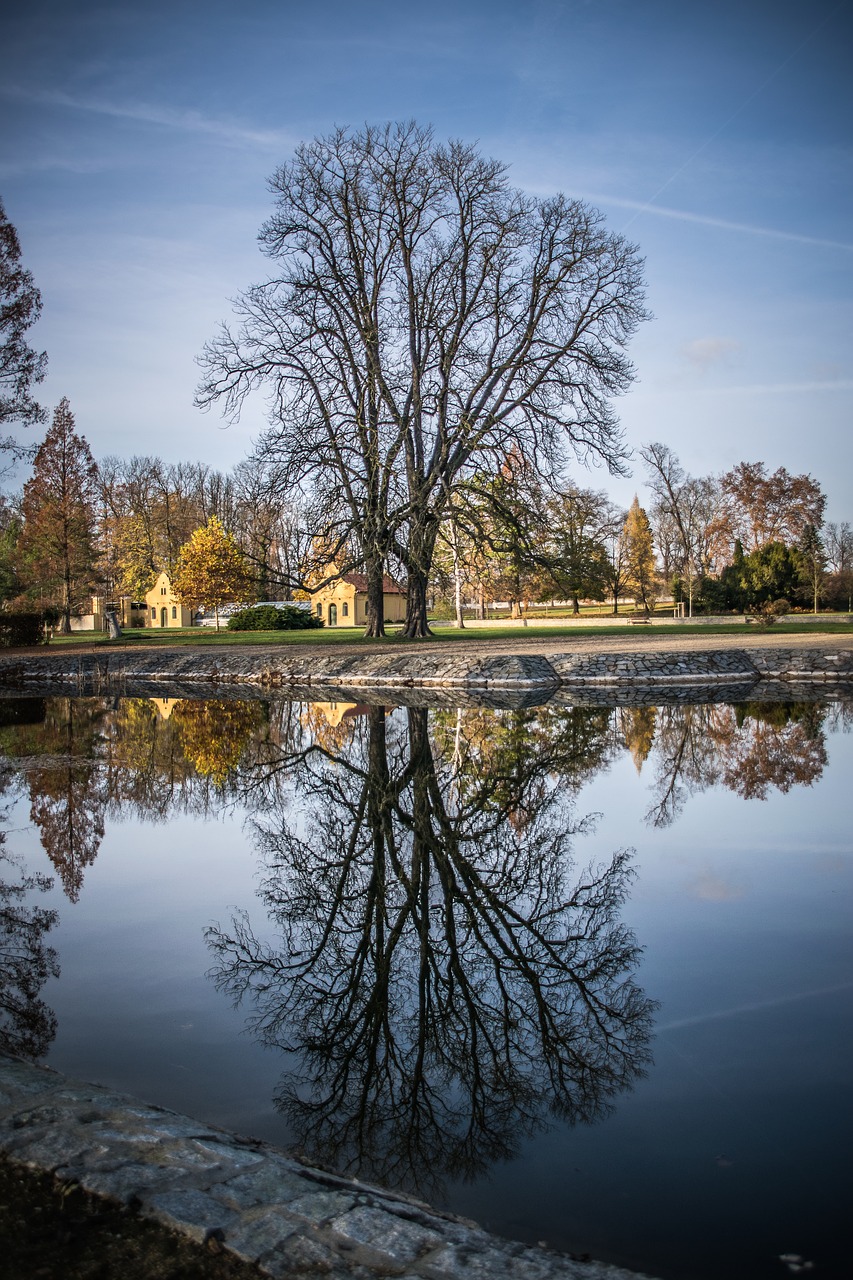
583,974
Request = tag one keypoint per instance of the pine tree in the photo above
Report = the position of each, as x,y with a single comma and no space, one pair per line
212,570
641,555
58,510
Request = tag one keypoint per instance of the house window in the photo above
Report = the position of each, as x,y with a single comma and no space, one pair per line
174,611
319,611
345,610
153,611
162,591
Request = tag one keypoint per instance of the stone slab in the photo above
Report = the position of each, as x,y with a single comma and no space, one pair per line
289,1219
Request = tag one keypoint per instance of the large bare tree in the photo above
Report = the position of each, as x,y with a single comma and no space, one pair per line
425,314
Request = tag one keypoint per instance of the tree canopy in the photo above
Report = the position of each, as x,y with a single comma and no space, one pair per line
425,317
20,365
211,570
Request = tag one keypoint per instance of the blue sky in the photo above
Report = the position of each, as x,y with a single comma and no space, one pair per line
137,140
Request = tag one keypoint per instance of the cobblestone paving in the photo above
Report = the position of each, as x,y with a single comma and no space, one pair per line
295,1222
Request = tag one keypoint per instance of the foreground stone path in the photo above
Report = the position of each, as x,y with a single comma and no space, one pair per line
295,1222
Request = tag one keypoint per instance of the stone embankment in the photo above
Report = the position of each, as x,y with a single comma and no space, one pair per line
501,678
291,1220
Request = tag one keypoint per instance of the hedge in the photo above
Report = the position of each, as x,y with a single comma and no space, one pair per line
268,617
21,629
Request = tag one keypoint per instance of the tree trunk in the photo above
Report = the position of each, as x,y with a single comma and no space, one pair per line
375,628
457,577
417,626
576,605
421,546
65,625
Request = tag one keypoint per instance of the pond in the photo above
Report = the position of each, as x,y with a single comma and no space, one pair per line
582,973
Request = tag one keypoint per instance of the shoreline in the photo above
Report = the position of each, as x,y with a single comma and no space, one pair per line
531,672
250,1198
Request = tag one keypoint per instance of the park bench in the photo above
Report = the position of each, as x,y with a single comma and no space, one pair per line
637,618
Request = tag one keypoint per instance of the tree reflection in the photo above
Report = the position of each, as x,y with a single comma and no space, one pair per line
27,1025
214,735
67,801
751,748
445,981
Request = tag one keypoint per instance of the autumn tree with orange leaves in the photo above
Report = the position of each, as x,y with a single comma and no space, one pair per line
212,570
57,545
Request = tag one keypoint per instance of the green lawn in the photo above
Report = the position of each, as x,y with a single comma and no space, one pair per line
822,625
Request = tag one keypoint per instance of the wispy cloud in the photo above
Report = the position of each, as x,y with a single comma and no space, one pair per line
754,1007
166,117
705,352
778,388
705,220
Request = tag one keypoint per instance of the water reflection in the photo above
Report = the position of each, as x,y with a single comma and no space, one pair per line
435,963
445,979
750,748
27,1025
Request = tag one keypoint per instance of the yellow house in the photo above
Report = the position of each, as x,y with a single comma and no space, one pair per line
343,603
163,607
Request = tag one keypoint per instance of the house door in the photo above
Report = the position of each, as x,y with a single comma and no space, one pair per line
333,615
163,616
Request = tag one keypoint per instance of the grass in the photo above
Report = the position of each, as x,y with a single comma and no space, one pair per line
52,1230
821,625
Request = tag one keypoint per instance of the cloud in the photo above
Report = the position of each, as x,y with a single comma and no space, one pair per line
711,888
780,388
704,352
754,1007
167,117
705,220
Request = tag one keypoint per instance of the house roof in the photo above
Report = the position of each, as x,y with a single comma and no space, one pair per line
359,581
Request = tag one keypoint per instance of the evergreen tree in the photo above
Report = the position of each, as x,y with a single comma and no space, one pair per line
640,555
58,510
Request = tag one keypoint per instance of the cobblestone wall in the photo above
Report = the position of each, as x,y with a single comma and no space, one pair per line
526,673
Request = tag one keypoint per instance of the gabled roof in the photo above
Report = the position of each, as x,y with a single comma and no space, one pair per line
359,581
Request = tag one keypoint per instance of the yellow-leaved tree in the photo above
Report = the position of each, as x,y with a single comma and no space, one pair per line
212,570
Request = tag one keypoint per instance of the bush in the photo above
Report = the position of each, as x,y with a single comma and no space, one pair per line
21,629
768,611
270,617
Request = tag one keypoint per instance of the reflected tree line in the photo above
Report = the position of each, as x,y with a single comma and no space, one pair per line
751,748
445,974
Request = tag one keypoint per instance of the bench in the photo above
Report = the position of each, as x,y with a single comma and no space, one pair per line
637,619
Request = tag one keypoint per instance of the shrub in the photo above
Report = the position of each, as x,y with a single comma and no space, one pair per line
21,629
768,611
269,617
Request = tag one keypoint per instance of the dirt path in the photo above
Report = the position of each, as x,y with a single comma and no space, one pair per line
629,640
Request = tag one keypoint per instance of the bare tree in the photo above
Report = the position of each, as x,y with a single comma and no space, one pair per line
20,365
426,314
687,511
838,542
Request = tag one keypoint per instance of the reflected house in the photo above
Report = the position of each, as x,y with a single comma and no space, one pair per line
335,712
343,602
164,706
163,608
